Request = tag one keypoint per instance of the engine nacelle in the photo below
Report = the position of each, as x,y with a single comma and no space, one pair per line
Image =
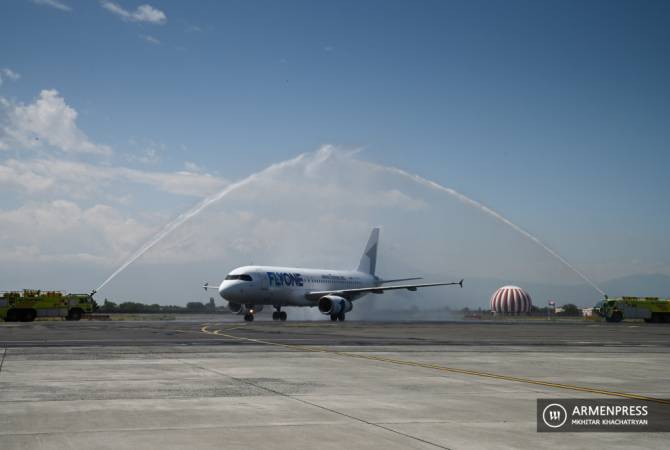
334,304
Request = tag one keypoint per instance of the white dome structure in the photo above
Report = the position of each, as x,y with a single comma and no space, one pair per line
511,300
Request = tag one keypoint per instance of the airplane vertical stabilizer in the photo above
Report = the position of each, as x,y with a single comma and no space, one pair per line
368,262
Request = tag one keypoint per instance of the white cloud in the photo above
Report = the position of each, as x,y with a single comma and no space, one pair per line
47,120
8,74
63,231
143,13
145,151
54,4
150,39
149,156
193,167
81,180
182,183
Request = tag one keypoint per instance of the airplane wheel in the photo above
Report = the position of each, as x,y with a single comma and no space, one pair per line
341,317
282,316
275,315
333,317
249,317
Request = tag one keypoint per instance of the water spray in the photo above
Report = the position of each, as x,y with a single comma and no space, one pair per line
496,215
194,211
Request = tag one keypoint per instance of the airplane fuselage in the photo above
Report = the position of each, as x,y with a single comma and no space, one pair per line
247,289
288,286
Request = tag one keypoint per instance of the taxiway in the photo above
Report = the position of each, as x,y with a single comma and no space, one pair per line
209,382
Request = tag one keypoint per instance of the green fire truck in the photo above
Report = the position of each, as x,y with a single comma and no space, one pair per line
651,309
30,304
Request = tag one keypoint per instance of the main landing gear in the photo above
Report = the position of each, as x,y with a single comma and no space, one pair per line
279,314
335,317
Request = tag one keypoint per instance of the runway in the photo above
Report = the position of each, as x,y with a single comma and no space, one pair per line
475,333
212,382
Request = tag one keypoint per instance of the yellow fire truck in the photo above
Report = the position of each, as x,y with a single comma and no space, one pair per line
30,304
651,309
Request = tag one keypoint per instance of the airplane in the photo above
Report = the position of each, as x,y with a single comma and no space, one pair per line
247,289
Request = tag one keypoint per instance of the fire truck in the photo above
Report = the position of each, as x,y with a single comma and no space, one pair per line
651,309
29,304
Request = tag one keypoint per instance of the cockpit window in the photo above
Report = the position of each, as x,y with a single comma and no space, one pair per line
243,277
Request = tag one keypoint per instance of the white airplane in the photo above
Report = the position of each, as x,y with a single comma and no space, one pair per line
247,289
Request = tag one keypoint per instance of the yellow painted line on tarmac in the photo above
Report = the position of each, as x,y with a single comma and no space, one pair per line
476,373
205,329
218,332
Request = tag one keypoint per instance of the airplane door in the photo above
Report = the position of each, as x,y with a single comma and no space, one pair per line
264,282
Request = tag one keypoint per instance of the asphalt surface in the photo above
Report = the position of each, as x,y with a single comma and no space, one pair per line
188,332
218,382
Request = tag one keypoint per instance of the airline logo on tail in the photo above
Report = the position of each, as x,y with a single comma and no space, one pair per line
368,262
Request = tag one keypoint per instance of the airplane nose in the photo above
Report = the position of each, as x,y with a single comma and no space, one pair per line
226,290
223,289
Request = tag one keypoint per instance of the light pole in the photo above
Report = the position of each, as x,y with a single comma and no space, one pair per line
552,303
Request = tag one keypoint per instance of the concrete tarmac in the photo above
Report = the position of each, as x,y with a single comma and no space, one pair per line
214,382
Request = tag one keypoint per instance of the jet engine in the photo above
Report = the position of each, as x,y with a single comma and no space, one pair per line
334,304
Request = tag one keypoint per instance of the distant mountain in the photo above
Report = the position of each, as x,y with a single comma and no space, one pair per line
656,285
641,285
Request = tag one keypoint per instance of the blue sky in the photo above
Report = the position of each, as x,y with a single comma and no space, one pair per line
555,113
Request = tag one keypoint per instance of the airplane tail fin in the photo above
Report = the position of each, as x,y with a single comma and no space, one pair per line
368,262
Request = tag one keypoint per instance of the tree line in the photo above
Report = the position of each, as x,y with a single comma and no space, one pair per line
569,309
108,307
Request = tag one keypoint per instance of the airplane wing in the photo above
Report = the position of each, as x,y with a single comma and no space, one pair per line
315,295
401,279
